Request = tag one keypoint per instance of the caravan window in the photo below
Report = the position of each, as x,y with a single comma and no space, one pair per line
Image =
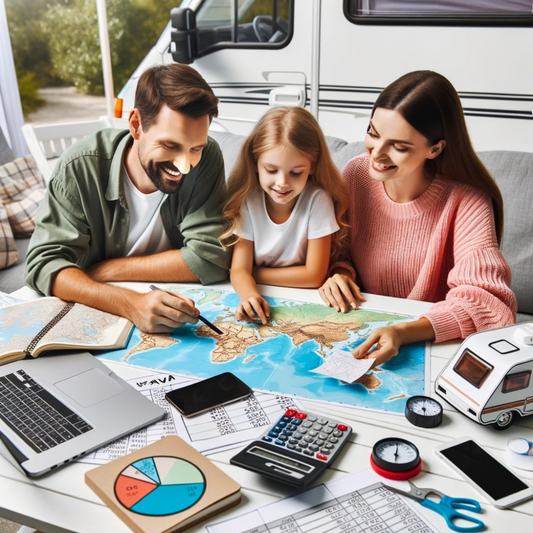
440,12
473,368
518,381
244,24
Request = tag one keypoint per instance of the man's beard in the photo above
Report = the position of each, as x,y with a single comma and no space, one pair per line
157,177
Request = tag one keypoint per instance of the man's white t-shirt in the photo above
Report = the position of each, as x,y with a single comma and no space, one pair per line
146,234
283,245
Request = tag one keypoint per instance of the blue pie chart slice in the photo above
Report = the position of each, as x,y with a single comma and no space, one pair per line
177,485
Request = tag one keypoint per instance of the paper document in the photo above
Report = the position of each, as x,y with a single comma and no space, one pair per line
218,429
342,365
6,300
358,502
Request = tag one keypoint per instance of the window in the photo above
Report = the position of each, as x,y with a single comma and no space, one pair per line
440,12
244,24
473,368
518,381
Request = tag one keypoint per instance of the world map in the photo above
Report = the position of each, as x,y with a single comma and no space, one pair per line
280,355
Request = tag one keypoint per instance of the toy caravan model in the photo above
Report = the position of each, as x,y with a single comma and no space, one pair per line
489,378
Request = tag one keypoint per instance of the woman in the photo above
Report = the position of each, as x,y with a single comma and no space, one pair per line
426,221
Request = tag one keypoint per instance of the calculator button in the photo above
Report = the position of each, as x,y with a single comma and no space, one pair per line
285,419
290,412
317,427
303,431
283,437
277,428
322,436
314,447
273,434
282,424
309,439
312,418
341,427
313,433
322,421
296,422
303,444
298,449
332,424
325,451
307,425
334,440
267,439
319,442
293,441
329,446
291,446
309,452
321,457
337,433
292,427
300,416
297,436
327,430
286,432
279,443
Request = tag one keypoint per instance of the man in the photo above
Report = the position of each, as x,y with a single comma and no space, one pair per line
138,205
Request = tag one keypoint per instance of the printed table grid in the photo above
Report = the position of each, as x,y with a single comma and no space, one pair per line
374,509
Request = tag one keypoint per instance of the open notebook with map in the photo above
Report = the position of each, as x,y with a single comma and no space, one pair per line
33,327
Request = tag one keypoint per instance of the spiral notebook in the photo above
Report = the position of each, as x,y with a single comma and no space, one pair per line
30,328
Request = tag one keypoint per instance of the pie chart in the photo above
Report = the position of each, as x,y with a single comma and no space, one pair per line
159,486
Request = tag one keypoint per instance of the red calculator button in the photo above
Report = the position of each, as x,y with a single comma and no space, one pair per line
340,427
322,456
301,416
290,412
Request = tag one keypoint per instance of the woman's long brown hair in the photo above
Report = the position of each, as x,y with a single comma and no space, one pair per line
429,102
296,128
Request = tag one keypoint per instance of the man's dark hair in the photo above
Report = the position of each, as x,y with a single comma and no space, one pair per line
177,86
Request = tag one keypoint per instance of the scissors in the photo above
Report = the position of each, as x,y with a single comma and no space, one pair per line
446,507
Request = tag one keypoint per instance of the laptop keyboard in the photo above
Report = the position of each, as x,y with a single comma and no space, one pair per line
39,418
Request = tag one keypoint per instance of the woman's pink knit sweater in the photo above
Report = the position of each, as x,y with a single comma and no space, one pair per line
438,248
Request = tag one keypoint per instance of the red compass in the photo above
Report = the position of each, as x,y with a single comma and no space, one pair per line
396,459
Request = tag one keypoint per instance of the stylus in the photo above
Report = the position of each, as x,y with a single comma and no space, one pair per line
200,317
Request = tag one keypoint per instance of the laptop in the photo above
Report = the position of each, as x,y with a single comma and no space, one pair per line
57,408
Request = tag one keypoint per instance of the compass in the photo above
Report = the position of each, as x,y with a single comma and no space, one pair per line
423,411
396,459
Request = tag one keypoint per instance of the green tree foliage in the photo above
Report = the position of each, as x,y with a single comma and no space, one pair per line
72,31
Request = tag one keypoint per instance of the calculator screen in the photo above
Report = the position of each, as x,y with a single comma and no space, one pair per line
280,459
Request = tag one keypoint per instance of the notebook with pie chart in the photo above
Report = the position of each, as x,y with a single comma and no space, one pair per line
164,487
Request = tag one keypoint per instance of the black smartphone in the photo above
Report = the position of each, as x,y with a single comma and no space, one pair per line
207,394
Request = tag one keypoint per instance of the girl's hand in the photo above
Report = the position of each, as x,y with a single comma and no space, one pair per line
388,339
341,292
253,308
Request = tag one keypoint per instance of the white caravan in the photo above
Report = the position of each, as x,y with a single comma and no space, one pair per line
335,56
489,377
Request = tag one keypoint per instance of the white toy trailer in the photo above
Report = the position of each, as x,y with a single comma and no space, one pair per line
489,377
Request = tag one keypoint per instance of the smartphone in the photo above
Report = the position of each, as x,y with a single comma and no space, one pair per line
207,394
484,472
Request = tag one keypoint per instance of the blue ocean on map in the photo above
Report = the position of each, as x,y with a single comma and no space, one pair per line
279,365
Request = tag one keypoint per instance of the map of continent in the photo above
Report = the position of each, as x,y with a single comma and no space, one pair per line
280,355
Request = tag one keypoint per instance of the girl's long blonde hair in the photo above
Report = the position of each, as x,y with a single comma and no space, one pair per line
295,128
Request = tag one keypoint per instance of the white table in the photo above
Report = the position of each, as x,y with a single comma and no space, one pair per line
62,502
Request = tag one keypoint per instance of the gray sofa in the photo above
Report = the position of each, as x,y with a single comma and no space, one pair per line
513,172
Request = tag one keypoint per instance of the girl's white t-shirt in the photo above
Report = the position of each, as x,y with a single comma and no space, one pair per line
146,234
283,245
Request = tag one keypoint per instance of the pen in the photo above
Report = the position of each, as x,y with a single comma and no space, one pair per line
200,317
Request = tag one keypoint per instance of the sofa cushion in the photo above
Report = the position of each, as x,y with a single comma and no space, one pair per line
513,172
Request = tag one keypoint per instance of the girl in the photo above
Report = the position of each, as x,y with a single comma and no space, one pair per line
426,220
286,205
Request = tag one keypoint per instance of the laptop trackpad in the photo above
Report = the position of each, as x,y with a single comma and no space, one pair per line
90,387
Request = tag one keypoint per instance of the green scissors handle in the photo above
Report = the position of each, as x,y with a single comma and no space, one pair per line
447,508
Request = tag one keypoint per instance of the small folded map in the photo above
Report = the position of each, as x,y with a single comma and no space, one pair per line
343,366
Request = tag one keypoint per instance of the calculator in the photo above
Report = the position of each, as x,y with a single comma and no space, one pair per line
296,449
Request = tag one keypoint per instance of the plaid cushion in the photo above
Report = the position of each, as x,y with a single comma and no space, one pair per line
8,250
21,190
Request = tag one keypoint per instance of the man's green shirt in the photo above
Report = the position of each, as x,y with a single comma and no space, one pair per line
84,217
